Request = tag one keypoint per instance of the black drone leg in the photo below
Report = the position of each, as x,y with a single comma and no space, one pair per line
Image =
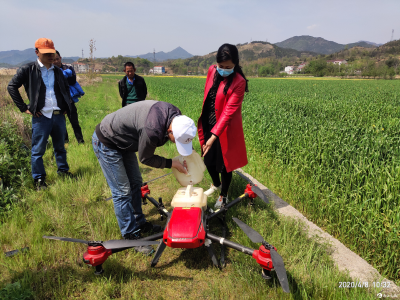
222,260
266,274
159,251
211,252
99,270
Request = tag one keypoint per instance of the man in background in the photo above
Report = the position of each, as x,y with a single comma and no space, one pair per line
69,73
132,87
49,100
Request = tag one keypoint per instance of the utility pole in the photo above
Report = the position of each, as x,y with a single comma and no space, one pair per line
391,39
82,53
154,60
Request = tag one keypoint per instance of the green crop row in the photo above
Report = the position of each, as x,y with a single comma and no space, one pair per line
330,148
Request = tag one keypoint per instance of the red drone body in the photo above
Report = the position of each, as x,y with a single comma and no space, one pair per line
185,228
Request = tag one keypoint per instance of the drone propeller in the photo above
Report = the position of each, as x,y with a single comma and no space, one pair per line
111,244
254,188
244,177
277,260
253,235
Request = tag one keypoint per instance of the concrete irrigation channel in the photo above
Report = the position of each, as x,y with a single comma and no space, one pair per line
345,259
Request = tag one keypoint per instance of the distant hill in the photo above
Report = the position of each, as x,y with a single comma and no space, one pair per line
255,50
380,54
318,45
390,48
14,57
21,57
162,56
371,43
70,60
4,65
251,55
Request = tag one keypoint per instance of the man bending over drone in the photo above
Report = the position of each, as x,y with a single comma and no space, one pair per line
140,127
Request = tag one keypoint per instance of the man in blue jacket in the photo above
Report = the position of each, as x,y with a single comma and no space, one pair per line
69,73
49,100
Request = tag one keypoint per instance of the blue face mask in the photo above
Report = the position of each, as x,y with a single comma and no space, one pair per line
225,72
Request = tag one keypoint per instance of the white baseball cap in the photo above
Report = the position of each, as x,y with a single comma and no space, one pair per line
184,131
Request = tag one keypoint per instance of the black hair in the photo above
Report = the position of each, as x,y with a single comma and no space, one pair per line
130,64
229,52
36,49
58,53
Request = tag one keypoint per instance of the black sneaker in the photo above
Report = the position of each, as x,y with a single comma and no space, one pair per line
150,228
66,174
81,142
146,250
40,184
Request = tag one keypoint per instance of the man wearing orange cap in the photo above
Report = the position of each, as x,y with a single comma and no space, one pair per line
49,100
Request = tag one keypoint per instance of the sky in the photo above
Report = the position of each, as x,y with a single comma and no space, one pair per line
122,27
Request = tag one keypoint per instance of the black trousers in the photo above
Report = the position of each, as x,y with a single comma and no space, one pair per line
226,179
73,118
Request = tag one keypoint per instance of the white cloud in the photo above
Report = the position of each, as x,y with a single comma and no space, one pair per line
311,27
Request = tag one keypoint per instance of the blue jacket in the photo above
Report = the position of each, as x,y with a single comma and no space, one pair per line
74,89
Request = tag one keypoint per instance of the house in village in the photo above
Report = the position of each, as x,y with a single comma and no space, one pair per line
301,67
289,70
337,61
80,67
293,69
159,70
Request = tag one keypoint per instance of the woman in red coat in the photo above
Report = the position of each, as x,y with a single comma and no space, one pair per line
220,124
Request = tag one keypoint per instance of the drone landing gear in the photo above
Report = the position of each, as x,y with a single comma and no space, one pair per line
211,252
159,251
223,224
266,274
99,270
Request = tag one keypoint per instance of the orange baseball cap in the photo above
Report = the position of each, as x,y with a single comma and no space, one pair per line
45,45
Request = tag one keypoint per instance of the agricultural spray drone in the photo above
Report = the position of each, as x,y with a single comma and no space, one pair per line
187,226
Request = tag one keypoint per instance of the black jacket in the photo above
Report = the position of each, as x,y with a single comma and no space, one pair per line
140,86
30,77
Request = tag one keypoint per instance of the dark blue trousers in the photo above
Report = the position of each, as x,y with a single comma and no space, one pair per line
42,128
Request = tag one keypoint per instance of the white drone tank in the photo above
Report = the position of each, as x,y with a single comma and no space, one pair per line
196,168
190,196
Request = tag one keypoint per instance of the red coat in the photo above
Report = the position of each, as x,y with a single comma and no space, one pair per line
228,112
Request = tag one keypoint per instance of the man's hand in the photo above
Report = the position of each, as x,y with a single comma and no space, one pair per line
181,168
208,145
38,114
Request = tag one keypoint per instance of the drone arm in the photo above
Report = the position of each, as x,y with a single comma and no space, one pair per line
153,237
230,244
227,206
160,207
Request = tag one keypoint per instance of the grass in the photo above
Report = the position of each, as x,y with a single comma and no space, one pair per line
54,270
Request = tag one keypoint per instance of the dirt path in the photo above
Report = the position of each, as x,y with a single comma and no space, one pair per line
345,259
